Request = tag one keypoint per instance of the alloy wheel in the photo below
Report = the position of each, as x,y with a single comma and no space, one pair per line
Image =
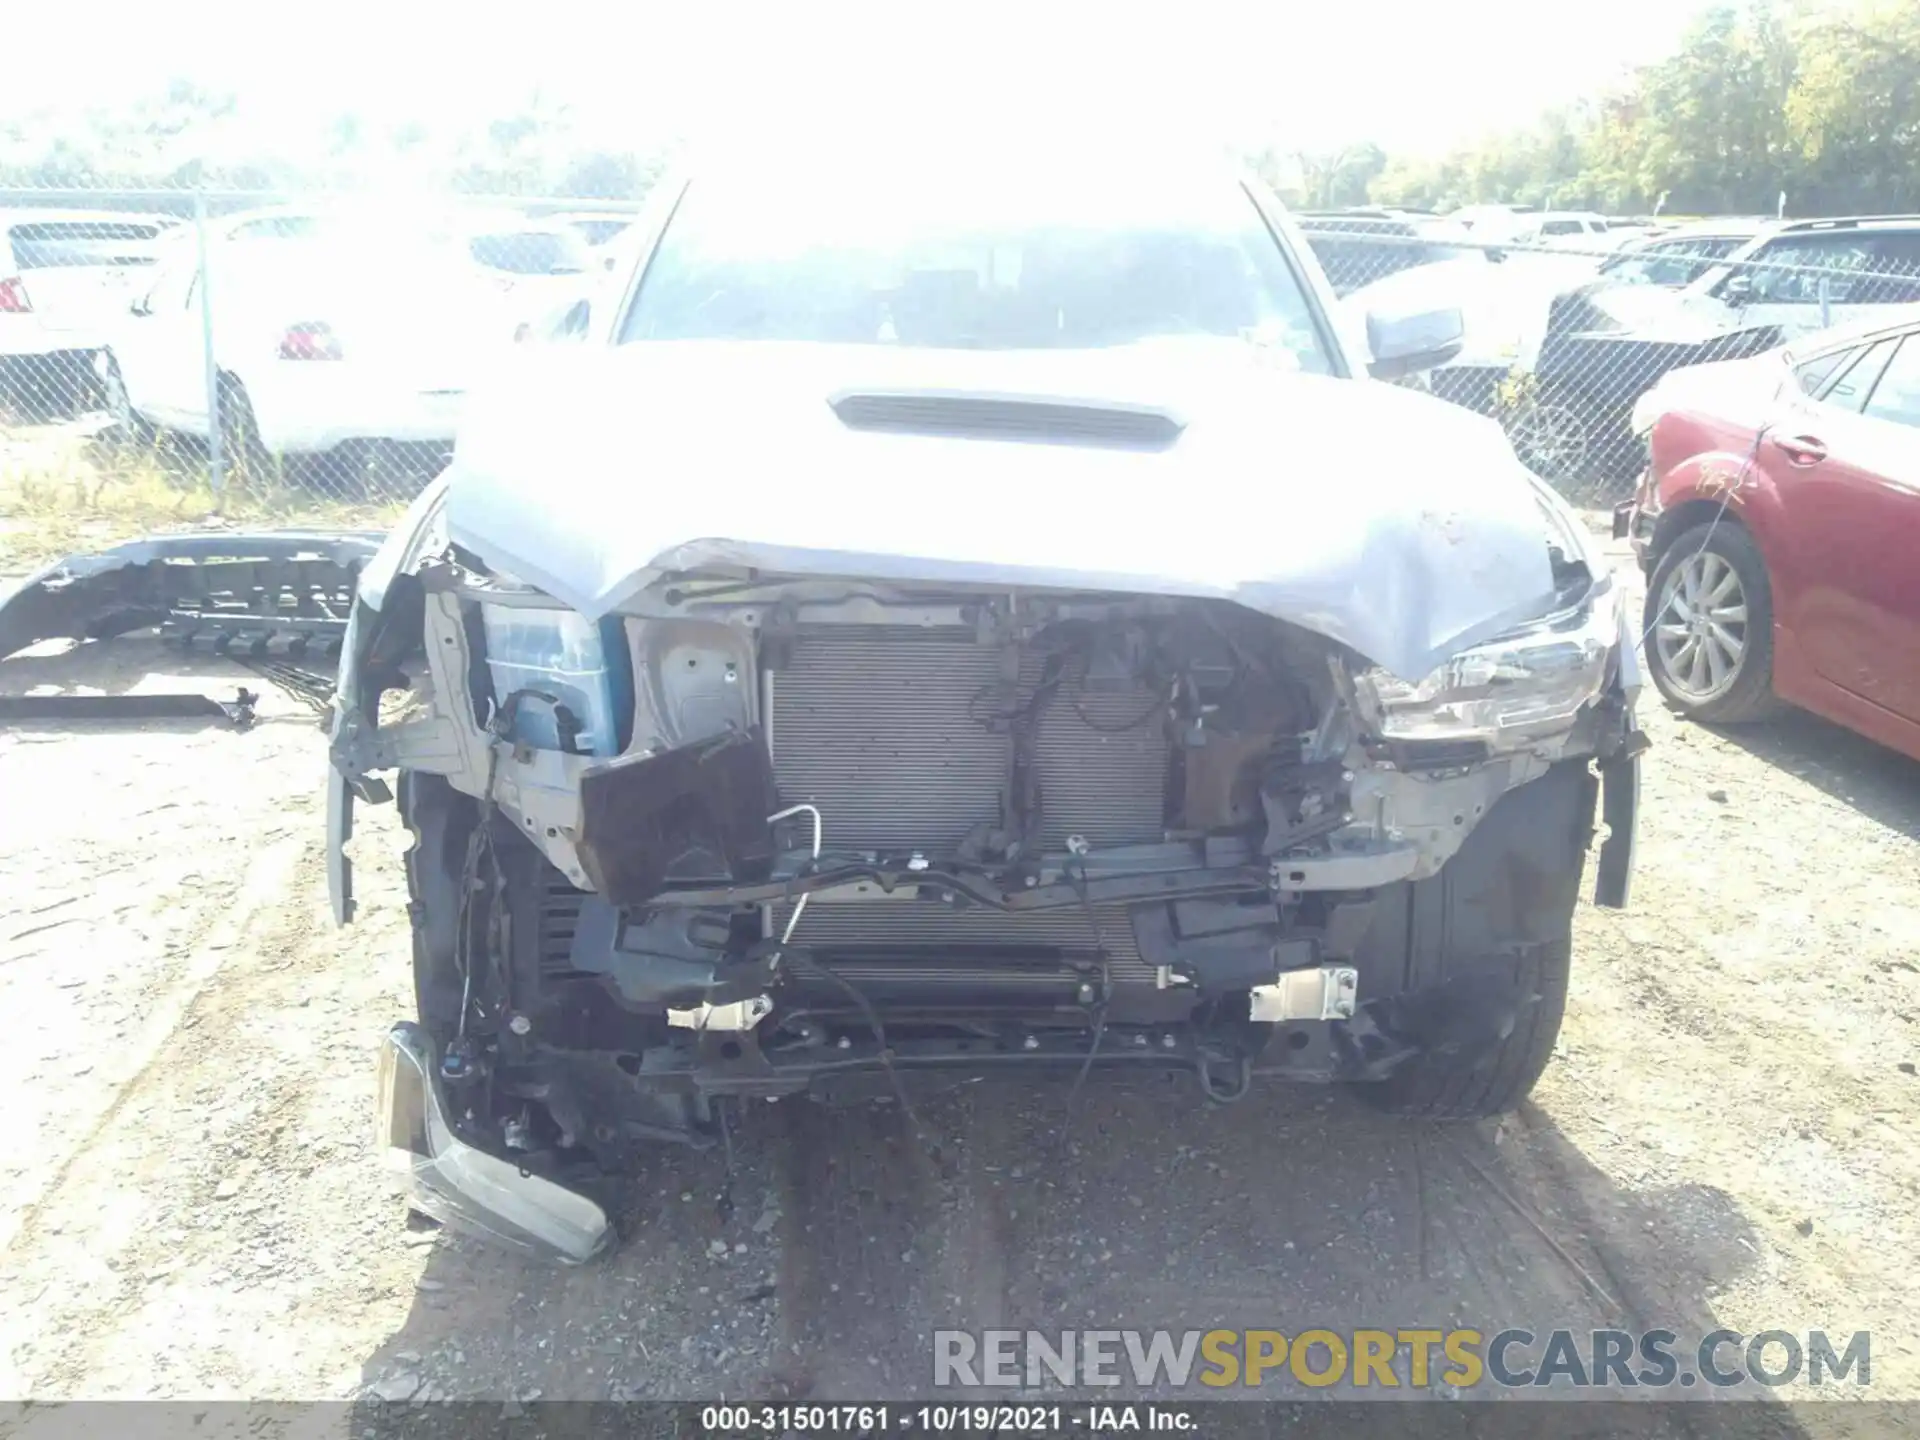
1551,438
1700,639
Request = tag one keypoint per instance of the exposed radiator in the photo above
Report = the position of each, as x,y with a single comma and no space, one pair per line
927,944
924,925
878,727
556,919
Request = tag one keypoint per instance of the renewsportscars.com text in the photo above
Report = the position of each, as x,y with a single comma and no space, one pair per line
1414,1358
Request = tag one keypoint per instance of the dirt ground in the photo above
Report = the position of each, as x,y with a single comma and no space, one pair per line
190,1205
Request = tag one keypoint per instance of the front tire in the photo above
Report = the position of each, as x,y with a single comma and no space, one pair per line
243,452
129,424
1553,434
41,389
1709,626
1469,966
1477,1083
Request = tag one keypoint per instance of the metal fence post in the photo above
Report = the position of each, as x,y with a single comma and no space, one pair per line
216,461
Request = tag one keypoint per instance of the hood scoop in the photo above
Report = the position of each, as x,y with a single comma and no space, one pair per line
977,416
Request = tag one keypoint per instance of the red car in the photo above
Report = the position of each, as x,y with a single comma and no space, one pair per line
1779,527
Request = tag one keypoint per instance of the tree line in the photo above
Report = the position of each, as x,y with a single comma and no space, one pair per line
187,135
1820,102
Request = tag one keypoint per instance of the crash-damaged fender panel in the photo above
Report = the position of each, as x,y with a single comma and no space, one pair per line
1451,960
1387,520
147,582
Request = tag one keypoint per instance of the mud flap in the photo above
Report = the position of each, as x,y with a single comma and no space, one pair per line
1620,808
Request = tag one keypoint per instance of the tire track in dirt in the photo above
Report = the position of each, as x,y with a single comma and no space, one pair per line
968,1286
87,1223
1274,1213
860,1196
271,875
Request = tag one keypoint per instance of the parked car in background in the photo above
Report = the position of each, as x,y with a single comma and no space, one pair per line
1779,526
1575,229
537,263
1607,343
1359,246
1673,259
545,266
328,328
1798,275
1503,309
1808,275
784,784
1569,422
540,262
1639,226
596,227
1494,224
64,276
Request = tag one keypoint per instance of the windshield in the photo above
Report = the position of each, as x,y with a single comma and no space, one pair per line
1670,263
997,265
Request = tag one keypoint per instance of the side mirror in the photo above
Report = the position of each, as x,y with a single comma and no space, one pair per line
139,306
1406,342
1737,288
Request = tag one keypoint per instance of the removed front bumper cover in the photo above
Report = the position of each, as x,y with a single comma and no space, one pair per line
461,1186
269,593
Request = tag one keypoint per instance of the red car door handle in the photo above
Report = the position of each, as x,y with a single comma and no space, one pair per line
1802,449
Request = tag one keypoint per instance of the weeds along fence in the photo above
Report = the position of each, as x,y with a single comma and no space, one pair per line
254,354
299,354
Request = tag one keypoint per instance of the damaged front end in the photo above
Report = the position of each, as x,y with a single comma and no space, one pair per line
751,835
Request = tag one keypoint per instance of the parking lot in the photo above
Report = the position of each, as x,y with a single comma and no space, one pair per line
191,1205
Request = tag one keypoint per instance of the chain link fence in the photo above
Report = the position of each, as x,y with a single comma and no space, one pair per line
297,358
1564,335
293,355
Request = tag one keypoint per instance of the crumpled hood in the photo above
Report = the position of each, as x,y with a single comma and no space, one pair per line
1383,518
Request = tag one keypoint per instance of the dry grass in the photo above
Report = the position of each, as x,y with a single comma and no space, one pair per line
64,489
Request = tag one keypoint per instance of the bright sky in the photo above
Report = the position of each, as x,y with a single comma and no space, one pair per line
1416,75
